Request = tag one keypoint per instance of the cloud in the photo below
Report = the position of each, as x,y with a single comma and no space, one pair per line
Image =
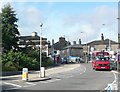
91,24
58,24
29,20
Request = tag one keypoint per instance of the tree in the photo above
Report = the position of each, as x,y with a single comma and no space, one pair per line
9,28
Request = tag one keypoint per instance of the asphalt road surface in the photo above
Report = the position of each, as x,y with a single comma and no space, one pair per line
81,78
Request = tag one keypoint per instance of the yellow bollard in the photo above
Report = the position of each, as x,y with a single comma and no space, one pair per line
25,74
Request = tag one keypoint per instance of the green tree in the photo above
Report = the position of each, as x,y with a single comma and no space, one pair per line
9,28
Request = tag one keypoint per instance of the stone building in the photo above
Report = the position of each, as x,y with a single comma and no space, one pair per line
103,44
33,42
72,50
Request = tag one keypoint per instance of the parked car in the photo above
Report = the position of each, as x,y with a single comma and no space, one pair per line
80,60
64,60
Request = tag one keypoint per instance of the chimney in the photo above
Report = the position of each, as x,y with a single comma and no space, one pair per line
102,37
79,41
61,39
74,42
52,41
34,34
49,43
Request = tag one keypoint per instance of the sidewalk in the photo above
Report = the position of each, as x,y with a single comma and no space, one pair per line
34,76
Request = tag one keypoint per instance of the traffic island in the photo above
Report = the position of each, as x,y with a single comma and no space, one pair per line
39,79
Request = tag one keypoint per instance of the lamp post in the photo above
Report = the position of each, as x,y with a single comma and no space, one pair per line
118,45
41,24
109,43
86,48
118,32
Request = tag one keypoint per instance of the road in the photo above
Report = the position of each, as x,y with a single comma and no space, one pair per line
80,78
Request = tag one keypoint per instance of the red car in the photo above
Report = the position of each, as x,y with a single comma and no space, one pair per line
100,60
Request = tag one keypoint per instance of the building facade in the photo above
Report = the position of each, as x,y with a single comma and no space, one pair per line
72,50
33,42
103,44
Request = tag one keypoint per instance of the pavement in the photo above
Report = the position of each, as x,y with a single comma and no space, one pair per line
33,76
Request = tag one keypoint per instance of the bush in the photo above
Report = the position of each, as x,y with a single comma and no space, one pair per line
15,61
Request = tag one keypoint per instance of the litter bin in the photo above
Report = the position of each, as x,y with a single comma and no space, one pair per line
25,74
42,72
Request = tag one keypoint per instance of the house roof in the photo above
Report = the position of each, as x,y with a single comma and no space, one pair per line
101,42
31,40
60,45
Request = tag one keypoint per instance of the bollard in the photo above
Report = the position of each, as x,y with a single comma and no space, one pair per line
25,74
42,72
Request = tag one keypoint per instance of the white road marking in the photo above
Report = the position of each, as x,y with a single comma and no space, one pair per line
114,71
12,88
84,70
115,79
30,84
12,84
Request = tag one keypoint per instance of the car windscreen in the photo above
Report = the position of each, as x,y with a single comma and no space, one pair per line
102,58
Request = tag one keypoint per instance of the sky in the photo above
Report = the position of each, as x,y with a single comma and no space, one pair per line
72,20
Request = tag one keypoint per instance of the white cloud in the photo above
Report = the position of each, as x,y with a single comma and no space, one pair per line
91,24
29,20
71,25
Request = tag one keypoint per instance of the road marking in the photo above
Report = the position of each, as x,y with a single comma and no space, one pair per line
12,84
84,70
114,71
115,79
12,88
29,84
115,76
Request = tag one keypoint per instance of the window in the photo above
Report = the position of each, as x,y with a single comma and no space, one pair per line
102,58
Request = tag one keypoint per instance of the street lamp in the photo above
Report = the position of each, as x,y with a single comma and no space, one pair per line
41,24
86,47
118,32
118,45
109,43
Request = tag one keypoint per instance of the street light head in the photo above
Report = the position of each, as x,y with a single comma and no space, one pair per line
41,24
81,32
103,24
